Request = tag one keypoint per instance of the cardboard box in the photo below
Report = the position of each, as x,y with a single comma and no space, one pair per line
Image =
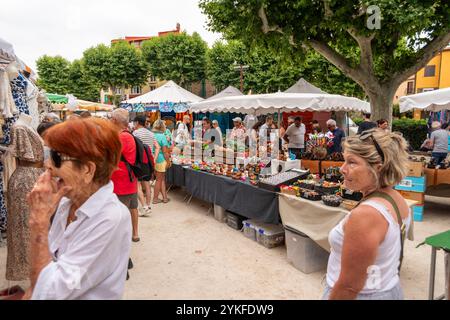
415,169
418,212
431,176
416,196
416,184
442,176
312,165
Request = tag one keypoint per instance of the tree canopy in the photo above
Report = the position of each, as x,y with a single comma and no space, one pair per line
118,66
53,74
177,57
58,75
379,46
269,72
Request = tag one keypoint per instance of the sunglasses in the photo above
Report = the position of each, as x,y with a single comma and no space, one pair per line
369,134
57,158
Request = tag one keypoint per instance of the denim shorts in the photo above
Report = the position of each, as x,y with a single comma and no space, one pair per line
396,293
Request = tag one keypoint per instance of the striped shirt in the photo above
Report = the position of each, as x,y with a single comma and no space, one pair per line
146,136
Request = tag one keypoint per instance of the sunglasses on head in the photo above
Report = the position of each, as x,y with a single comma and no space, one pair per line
57,158
369,134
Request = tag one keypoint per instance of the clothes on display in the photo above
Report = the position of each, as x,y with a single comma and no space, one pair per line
27,146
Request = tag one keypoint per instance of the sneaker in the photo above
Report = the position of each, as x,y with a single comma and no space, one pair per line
143,212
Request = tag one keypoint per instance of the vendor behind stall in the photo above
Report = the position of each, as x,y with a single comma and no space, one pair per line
338,134
295,137
439,143
211,135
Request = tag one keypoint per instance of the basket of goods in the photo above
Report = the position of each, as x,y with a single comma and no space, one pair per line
317,145
351,195
332,200
336,156
290,190
306,184
349,204
327,187
311,195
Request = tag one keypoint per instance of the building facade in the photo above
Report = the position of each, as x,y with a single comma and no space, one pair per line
202,88
435,75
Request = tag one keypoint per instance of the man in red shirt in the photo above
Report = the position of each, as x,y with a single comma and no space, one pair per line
124,187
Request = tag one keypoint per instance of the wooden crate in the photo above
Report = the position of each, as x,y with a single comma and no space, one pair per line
415,169
443,176
431,176
312,165
416,196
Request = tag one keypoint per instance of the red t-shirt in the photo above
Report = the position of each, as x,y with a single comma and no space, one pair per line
120,177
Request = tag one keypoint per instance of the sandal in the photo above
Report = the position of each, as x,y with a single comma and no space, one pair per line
157,201
165,201
136,239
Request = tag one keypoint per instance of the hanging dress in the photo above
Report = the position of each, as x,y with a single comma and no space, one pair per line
27,146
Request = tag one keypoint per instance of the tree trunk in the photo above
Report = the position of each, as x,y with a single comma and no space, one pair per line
381,104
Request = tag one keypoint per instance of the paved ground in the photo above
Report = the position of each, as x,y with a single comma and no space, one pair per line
185,253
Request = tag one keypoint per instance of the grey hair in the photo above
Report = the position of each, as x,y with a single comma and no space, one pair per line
395,166
159,125
122,116
331,123
436,125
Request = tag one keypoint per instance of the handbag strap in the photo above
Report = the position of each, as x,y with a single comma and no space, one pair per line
402,226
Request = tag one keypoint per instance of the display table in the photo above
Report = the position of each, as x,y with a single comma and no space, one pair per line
312,218
233,195
175,176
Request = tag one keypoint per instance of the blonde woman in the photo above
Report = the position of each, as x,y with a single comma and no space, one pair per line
162,161
367,246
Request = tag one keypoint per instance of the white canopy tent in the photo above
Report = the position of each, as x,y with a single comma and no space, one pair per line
281,102
170,92
303,86
229,91
435,100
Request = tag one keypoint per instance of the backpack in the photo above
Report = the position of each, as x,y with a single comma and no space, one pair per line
144,165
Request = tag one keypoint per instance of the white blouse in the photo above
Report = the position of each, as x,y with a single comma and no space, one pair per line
90,257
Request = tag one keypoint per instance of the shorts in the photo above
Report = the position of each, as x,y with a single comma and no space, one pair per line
146,178
396,293
161,167
129,200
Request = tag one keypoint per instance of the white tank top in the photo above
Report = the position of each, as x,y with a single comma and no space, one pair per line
383,275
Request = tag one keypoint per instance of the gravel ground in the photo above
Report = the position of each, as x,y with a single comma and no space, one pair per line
185,253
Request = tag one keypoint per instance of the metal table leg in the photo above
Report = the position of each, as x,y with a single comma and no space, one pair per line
432,274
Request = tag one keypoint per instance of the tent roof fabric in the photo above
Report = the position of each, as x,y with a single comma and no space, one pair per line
284,102
57,98
170,92
229,91
436,100
303,86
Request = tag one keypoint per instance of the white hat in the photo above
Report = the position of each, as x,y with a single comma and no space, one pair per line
215,121
237,119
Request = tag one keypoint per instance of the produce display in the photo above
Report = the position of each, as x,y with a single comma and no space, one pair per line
333,174
332,200
310,195
327,187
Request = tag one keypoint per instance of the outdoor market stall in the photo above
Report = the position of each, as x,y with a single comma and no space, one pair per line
169,99
433,101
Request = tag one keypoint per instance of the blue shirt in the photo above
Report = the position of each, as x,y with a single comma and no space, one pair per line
337,141
162,141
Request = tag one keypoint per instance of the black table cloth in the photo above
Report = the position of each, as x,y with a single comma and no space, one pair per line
235,196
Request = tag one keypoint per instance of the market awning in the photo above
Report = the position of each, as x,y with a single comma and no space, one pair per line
436,100
57,98
281,102
93,106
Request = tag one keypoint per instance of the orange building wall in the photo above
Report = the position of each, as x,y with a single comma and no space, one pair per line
445,70
428,82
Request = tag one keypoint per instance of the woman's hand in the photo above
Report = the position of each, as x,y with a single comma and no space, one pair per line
44,199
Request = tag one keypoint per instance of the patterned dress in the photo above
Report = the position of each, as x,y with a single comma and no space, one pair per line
26,145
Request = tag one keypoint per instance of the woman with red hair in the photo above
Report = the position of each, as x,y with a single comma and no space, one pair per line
83,253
